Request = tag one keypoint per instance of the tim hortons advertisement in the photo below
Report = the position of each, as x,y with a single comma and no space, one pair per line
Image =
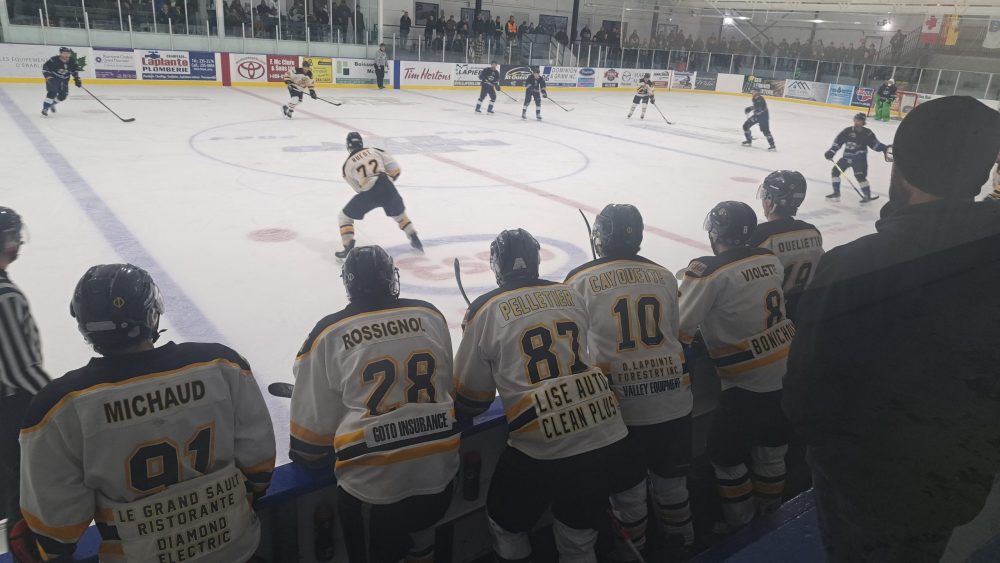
467,74
427,74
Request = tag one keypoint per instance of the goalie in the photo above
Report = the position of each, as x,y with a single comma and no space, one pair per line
883,100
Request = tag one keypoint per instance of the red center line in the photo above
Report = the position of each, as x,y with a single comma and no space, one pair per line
663,233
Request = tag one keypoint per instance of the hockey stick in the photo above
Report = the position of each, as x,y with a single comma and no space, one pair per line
623,535
458,279
331,102
590,234
560,106
123,119
851,182
279,389
506,94
661,114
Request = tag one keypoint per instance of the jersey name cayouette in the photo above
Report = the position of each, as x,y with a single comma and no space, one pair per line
736,300
373,390
634,326
528,341
362,169
797,244
158,447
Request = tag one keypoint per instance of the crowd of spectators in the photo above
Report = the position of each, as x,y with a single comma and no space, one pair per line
479,34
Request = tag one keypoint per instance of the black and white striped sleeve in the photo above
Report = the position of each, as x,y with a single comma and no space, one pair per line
20,347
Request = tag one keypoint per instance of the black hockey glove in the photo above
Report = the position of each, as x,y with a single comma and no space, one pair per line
77,81
748,110
829,154
288,83
312,93
652,100
545,94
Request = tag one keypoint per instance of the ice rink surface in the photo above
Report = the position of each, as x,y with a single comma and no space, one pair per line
233,208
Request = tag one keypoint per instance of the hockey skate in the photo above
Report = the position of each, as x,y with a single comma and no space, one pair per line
478,110
747,143
415,242
772,148
490,111
45,112
286,111
341,254
538,117
52,108
869,197
835,196
524,115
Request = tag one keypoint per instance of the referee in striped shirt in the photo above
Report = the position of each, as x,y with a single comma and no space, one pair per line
21,373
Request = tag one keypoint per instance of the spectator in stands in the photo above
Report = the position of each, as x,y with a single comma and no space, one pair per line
320,13
511,29
872,52
404,28
231,14
429,31
633,40
698,45
297,11
600,37
562,37
463,29
892,377
342,14
440,29
360,31
450,28
498,28
783,48
585,34
896,43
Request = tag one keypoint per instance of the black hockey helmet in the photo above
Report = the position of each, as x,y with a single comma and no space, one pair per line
10,226
306,64
536,70
785,188
617,231
354,141
731,223
65,50
861,116
514,255
116,305
370,275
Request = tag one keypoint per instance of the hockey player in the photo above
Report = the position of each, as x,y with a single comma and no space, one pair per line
371,172
533,86
883,100
380,364
645,94
527,339
299,80
735,299
797,244
160,446
634,321
57,72
760,116
489,85
856,140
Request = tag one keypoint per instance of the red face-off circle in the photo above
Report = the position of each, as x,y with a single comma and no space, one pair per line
272,235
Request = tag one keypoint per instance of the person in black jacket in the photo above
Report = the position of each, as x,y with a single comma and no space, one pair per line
892,377
57,72
534,88
404,29
757,114
489,83
856,141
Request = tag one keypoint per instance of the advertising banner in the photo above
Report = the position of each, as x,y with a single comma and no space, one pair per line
775,88
467,74
177,65
113,62
358,71
514,75
840,94
609,77
630,78
705,83
661,78
278,65
863,97
27,60
427,74
322,69
806,90
586,77
564,76
683,81
248,68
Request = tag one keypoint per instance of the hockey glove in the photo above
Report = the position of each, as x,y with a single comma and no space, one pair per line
22,544
312,93
77,81
545,94
288,83
652,100
748,110
829,155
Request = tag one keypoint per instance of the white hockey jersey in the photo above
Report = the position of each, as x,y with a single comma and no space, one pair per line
373,389
634,326
736,300
797,244
362,168
157,447
301,79
529,342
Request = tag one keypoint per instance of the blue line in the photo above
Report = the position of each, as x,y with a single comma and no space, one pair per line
185,316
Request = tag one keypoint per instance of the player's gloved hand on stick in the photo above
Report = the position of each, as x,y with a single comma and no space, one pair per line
312,93
748,110
829,155
77,81
652,100
288,83
545,94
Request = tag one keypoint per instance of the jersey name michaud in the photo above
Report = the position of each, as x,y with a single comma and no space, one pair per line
154,401
758,272
383,329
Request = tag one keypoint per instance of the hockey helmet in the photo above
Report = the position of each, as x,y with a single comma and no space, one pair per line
306,64
369,274
354,141
891,82
785,188
731,223
65,50
617,231
860,116
10,226
514,256
116,305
